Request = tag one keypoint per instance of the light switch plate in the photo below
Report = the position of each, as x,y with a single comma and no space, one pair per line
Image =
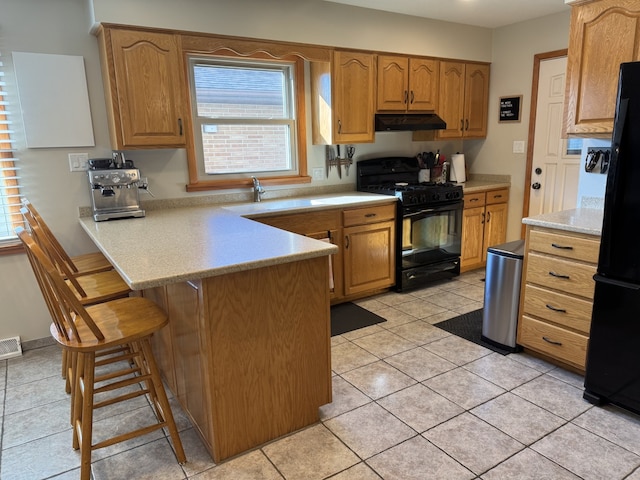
78,162
317,173
518,146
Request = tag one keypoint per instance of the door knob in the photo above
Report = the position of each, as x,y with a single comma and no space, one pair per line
536,186
538,171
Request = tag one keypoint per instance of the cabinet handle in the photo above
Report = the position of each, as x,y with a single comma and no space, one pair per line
482,218
497,196
467,127
552,342
474,200
180,125
412,96
488,217
561,247
462,125
560,310
557,275
406,97
346,241
369,215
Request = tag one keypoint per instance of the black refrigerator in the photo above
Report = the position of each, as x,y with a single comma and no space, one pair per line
613,354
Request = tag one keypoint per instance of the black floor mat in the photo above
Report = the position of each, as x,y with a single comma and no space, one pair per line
469,327
347,317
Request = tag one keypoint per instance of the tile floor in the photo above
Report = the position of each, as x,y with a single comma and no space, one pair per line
410,402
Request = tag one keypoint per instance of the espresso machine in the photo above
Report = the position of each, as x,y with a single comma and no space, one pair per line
115,185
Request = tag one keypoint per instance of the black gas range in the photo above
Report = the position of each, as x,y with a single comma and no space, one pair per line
429,219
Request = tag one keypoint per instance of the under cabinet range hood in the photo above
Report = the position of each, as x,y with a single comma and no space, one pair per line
408,122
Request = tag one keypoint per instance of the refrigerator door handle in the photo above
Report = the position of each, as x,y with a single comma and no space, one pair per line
618,283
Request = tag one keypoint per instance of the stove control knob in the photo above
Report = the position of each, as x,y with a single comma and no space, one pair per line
436,196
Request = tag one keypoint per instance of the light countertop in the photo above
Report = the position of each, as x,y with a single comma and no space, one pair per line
579,220
187,243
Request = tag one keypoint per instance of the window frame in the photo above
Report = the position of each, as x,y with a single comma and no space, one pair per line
196,182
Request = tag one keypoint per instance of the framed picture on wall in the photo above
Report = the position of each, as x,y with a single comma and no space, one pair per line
510,108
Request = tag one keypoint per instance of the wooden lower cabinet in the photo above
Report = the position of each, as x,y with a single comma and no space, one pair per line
484,224
556,298
365,263
249,352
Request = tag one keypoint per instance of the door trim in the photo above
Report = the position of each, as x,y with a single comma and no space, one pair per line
537,58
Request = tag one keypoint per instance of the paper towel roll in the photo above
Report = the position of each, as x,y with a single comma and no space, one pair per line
458,174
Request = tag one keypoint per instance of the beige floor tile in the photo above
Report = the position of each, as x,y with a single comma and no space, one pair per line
457,350
384,344
448,300
518,418
378,379
419,332
420,363
587,455
420,407
153,461
392,298
250,466
198,458
533,362
566,376
394,317
472,442
345,398
361,471
528,465
615,424
440,317
474,292
463,387
313,453
369,430
467,307
554,395
420,308
635,475
28,425
347,356
33,365
363,332
502,371
417,459
372,304
40,458
34,394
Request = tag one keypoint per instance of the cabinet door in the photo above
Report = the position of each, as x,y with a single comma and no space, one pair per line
369,257
162,341
495,226
353,97
476,100
147,100
471,254
603,35
393,80
335,263
451,99
423,84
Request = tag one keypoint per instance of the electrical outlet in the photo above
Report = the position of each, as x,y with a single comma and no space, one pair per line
78,162
518,146
317,173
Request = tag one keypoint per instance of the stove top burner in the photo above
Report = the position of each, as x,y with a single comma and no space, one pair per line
427,193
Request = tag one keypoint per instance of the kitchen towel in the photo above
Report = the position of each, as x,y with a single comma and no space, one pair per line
458,174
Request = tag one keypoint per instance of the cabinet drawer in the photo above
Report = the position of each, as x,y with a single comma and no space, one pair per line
558,308
557,342
305,223
363,216
497,196
568,246
563,275
474,199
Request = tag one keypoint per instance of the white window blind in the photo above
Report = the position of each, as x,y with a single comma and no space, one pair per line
9,172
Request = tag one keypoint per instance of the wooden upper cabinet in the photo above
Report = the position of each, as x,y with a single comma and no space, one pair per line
603,34
353,97
144,88
463,101
407,84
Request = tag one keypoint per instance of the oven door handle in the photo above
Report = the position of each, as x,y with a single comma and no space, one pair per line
420,212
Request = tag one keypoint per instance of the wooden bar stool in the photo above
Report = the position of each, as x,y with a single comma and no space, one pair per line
87,263
122,327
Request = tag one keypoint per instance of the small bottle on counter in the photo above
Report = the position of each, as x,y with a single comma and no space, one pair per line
444,178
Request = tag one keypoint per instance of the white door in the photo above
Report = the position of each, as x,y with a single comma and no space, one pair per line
554,172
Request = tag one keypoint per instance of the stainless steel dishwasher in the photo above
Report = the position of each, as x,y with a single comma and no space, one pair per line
502,294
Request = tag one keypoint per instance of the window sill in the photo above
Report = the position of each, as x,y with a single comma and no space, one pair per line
11,248
245,183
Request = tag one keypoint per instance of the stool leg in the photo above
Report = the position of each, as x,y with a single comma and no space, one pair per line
85,423
162,400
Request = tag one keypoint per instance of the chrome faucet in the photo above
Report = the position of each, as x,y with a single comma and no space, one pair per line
258,191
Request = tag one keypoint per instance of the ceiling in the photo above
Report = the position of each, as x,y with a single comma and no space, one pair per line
481,13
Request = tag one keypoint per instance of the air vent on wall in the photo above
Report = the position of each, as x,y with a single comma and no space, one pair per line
10,347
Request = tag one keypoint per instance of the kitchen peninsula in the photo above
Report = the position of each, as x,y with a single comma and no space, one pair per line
247,349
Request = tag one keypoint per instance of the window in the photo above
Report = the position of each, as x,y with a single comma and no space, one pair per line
10,216
247,120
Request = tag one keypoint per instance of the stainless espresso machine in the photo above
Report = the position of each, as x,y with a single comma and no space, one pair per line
115,184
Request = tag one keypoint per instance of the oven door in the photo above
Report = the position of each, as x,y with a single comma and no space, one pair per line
430,235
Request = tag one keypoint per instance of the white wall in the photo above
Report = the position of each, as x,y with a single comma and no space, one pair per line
62,26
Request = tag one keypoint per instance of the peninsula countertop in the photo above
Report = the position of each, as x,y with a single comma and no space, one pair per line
170,245
579,220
